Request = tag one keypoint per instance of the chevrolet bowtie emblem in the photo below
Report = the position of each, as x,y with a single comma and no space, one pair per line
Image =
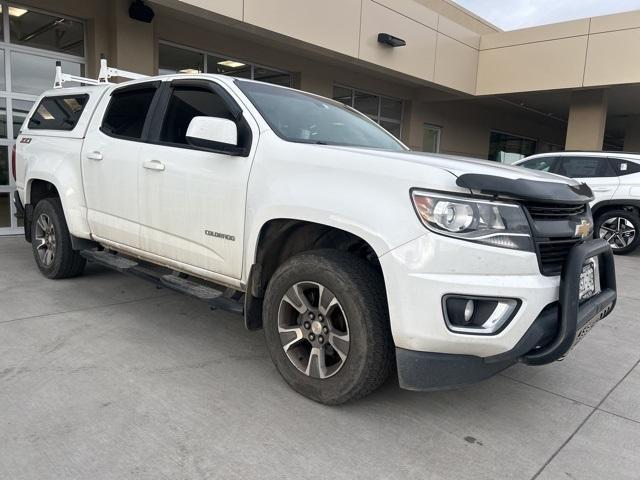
583,230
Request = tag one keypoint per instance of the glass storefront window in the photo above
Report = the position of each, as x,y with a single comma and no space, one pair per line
383,110
5,210
48,32
272,76
3,118
174,59
506,148
3,81
224,66
431,139
4,166
33,74
179,60
19,110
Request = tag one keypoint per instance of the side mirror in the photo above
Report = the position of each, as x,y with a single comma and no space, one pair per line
214,134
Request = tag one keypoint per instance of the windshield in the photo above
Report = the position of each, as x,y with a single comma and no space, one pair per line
299,117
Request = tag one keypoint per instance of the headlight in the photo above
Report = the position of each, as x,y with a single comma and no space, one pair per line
492,223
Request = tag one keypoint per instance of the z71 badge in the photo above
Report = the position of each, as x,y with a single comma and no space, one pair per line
25,140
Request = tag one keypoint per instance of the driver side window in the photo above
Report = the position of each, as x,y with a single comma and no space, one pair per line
185,103
544,164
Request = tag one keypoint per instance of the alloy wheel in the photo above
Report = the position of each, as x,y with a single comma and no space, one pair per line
313,330
619,232
45,235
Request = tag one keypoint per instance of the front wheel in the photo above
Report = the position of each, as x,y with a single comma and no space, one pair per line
51,242
621,229
326,326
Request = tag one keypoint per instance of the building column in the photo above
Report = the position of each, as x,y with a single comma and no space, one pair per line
587,120
632,134
132,44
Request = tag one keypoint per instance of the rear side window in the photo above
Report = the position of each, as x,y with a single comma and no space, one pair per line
127,111
584,167
58,113
625,167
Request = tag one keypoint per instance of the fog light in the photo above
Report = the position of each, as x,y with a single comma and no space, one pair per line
478,315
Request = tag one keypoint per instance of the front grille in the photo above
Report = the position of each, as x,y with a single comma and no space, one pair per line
551,211
553,253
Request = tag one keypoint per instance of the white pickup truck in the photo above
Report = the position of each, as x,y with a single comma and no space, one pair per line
354,254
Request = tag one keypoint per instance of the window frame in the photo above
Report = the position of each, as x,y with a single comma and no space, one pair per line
439,138
205,64
379,118
159,115
71,127
157,84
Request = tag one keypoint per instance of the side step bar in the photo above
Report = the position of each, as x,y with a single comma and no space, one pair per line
228,299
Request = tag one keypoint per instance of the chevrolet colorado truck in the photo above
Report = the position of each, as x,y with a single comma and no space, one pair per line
355,255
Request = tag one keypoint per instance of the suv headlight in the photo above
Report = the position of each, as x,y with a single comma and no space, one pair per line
482,221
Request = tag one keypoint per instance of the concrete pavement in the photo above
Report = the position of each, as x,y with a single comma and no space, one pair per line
106,377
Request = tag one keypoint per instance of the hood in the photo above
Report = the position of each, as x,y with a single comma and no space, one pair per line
493,178
459,165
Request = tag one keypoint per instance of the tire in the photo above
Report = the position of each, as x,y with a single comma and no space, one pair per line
356,324
51,242
621,229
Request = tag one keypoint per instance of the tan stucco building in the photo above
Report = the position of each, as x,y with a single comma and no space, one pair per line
459,85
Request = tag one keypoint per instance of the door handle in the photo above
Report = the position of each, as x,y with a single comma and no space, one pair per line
155,165
94,156
601,189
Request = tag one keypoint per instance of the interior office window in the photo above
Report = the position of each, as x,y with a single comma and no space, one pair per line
127,112
48,32
431,139
58,113
19,111
383,110
506,148
179,60
33,74
186,103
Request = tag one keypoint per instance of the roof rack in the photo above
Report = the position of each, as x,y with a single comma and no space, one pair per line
106,73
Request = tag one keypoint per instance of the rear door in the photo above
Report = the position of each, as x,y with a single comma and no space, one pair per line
192,201
594,171
628,173
110,163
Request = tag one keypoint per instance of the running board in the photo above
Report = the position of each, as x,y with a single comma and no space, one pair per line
229,299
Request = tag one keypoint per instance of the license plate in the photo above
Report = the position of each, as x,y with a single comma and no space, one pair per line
588,280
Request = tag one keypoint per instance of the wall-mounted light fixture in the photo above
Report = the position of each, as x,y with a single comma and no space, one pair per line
390,40
141,12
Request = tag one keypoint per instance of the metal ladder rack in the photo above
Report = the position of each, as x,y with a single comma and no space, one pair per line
106,73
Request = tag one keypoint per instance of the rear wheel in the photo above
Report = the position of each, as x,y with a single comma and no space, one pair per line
51,242
621,229
326,326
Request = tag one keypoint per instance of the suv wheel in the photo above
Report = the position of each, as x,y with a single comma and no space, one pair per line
51,242
621,229
326,326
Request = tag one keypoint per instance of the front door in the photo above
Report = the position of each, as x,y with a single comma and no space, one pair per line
192,202
110,164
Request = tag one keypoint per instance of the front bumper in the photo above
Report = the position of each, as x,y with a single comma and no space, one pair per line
547,326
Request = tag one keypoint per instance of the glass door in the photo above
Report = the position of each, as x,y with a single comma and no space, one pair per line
31,40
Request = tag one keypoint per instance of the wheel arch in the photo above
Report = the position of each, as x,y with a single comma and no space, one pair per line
608,205
281,238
